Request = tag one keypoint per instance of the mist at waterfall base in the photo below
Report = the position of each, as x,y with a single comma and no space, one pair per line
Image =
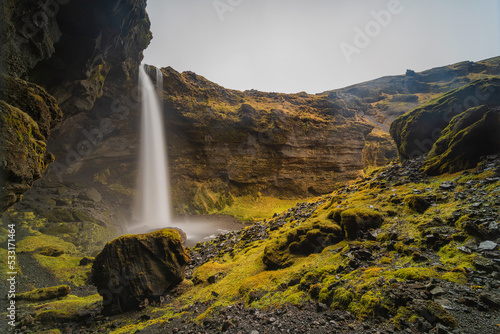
152,208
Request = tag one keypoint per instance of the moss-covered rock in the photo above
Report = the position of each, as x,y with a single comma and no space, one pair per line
133,268
416,132
303,240
276,254
417,203
27,114
51,251
358,220
59,216
45,293
469,136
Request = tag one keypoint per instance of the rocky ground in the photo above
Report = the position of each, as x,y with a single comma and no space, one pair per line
433,266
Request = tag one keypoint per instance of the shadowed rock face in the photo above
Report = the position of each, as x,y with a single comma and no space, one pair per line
69,48
27,115
416,132
454,130
469,136
133,268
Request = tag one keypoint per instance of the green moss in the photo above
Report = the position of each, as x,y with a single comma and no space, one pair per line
59,216
371,303
450,255
417,203
45,293
335,215
458,276
468,137
403,314
70,308
256,208
83,217
357,220
415,273
32,243
120,188
297,298
276,254
341,299
65,268
51,251
60,229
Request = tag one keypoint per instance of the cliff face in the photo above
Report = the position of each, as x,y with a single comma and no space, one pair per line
279,144
224,143
56,56
455,130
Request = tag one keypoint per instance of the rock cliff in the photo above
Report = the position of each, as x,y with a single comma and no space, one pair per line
58,54
454,130
224,143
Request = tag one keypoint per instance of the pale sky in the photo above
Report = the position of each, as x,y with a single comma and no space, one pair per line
317,45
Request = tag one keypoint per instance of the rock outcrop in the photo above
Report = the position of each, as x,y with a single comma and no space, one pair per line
469,136
70,48
416,132
246,142
28,114
135,270
454,130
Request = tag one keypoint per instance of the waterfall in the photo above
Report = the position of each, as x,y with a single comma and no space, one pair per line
152,203
152,207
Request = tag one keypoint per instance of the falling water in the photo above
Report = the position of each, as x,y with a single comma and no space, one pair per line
152,203
152,207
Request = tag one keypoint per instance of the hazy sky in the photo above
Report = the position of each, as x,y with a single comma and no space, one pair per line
317,45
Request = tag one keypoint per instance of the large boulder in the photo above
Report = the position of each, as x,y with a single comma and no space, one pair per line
134,268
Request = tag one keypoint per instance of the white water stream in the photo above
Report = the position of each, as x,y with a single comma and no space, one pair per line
152,210
152,207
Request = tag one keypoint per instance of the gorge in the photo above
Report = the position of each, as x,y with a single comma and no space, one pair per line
339,235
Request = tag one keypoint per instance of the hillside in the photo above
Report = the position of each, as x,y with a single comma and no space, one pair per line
394,252
339,235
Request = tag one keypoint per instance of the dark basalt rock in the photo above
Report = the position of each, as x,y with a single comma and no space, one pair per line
417,203
469,136
70,48
138,269
28,114
416,132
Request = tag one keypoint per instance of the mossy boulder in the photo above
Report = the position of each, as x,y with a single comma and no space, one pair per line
417,203
358,220
303,240
416,131
469,136
45,293
51,251
276,254
59,216
133,268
